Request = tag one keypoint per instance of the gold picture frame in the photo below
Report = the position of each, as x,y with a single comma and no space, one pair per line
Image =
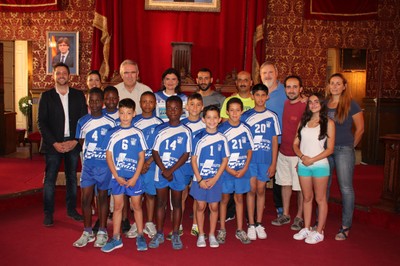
182,5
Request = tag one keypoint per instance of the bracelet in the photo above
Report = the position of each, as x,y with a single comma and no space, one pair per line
301,156
198,182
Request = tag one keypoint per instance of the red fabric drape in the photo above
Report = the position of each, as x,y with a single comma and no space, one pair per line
221,41
29,5
341,9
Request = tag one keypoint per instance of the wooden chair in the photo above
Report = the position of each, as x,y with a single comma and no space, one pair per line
33,138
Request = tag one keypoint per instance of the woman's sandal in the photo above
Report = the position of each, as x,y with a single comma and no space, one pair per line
341,235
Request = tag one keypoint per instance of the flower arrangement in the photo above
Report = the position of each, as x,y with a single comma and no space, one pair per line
25,105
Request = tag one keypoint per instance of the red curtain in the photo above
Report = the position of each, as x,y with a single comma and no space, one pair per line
219,39
29,5
341,9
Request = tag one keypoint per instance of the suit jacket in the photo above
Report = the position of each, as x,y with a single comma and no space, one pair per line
51,117
69,61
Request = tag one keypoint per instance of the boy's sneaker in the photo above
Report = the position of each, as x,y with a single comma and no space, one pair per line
213,241
83,240
169,236
230,218
101,239
303,234
314,238
251,232
242,236
221,236
112,244
201,241
260,230
195,230
150,229
297,224
156,240
132,232
141,243
125,226
176,242
283,219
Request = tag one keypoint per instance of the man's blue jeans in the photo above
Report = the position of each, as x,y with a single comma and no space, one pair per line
53,162
343,159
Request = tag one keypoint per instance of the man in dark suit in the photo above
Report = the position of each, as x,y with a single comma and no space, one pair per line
59,111
65,55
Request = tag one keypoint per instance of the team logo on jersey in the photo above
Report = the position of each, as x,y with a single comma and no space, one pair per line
179,140
244,139
103,131
219,147
268,124
133,141
121,157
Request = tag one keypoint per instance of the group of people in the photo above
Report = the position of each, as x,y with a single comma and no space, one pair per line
167,145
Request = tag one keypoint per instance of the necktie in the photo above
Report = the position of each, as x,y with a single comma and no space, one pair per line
62,59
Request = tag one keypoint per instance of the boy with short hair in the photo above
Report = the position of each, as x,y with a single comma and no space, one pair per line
209,160
171,149
236,178
111,100
91,130
147,122
125,158
195,107
264,125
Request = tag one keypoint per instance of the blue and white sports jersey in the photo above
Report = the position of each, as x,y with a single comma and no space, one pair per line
240,141
264,125
93,130
210,149
125,145
161,108
113,115
148,126
171,143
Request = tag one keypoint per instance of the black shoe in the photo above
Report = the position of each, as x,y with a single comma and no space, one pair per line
48,220
125,226
75,215
96,226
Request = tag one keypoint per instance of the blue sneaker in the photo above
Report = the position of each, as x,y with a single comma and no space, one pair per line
176,242
156,240
112,244
141,243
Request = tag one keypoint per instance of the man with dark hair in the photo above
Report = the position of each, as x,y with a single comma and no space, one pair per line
64,56
210,97
59,111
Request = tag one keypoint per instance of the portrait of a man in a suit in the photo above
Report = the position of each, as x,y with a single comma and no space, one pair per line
64,54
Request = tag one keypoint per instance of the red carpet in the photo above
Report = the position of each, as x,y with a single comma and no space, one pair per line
21,175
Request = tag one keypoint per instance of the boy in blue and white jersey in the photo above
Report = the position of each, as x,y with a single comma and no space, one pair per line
265,128
209,160
171,149
111,100
236,178
147,122
126,148
90,131
195,123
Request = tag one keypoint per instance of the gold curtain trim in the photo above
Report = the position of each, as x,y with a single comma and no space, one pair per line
258,36
100,22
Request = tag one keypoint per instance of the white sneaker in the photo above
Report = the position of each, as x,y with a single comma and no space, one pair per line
302,234
101,239
83,240
132,233
260,230
314,238
150,229
201,241
213,241
251,232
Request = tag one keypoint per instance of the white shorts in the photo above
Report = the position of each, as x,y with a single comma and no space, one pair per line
286,171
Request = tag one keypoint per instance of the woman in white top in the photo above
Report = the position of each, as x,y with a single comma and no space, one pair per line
314,142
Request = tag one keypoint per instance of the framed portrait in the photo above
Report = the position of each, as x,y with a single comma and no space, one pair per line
63,46
184,5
